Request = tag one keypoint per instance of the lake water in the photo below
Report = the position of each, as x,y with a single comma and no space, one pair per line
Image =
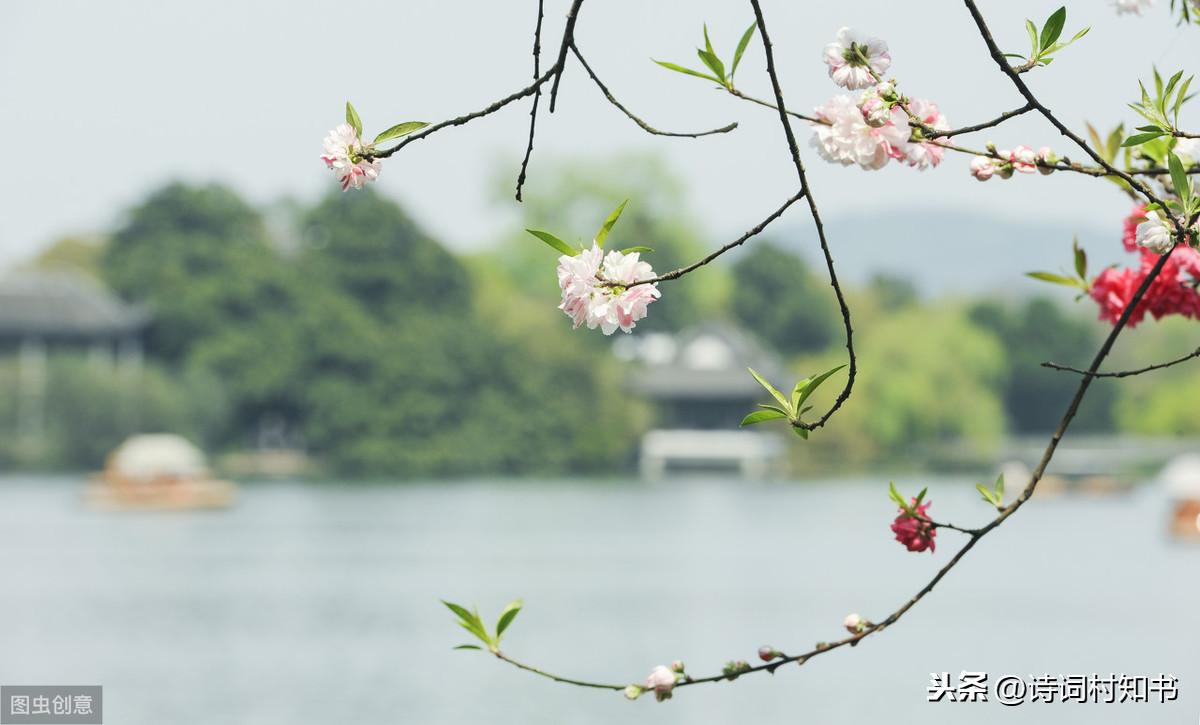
318,603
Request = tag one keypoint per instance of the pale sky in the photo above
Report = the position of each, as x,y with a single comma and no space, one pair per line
102,101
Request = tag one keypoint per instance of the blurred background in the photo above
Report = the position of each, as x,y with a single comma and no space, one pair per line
252,428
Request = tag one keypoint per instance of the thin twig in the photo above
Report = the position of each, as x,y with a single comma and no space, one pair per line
537,97
677,273
645,126
561,63
1023,89
931,132
1125,373
852,369
466,118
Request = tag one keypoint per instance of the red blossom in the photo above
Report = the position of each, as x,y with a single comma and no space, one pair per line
915,534
1173,292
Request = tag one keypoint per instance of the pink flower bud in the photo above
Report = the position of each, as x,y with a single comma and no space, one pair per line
875,111
1046,160
662,681
677,666
982,168
766,653
854,624
1024,159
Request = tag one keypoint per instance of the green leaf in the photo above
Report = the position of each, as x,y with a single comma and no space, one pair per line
812,386
1033,37
1179,178
921,495
609,222
554,242
468,646
470,622
714,64
987,495
1000,488
641,250
511,610
353,119
686,71
770,389
1080,260
741,47
1054,278
762,416
899,499
1141,138
1053,27
802,432
708,43
1181,97
400,129
1080,34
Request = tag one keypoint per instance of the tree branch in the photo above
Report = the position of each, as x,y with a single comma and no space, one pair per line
1125,373
645,126
537,97
816,217
567,38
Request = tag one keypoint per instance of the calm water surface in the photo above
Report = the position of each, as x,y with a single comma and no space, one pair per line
317,603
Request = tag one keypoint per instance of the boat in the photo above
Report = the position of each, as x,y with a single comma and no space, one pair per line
1181,481
159,471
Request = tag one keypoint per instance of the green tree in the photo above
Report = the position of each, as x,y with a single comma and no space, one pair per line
197,257
778,298
1034,396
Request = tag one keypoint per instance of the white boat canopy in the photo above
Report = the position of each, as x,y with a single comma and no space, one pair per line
149,457
1181,477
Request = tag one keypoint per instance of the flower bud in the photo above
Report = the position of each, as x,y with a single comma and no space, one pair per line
854,624
766,653
887,91
982,168
677,666
633,692
1024,159
1046,161
662,681
876,112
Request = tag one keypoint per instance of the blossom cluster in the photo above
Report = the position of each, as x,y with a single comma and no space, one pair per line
344,156
605,291
872,128
1173,292
1004,162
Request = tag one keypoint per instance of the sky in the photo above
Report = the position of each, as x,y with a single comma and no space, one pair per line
102,102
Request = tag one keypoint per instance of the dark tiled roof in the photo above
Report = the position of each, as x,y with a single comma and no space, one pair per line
709,362
57,305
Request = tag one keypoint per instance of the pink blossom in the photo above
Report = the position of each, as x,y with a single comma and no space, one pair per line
599,290
854,624
343,155
846,138
766,653
982,167
1024,159
662,681
856,60
927,153
915,534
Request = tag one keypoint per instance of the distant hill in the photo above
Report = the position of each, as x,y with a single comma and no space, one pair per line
951,252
